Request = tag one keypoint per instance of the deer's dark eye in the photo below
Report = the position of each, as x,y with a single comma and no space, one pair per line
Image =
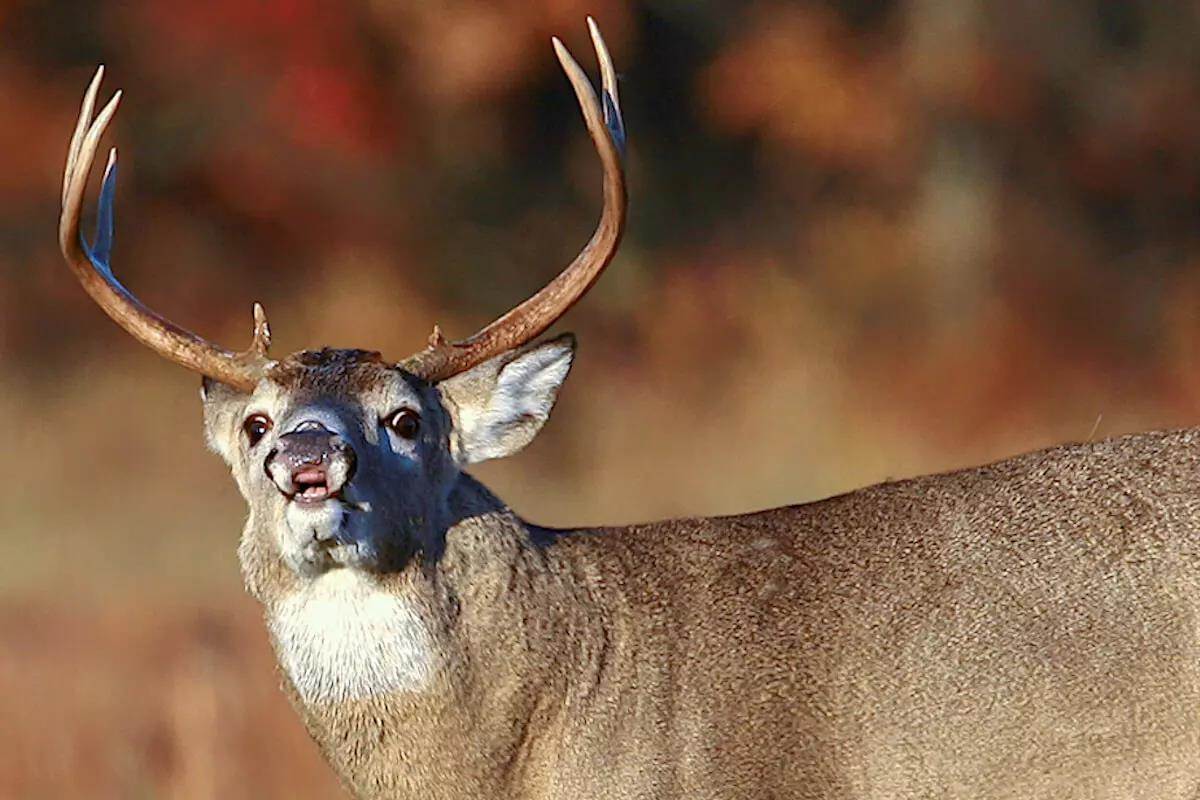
405,422
256,427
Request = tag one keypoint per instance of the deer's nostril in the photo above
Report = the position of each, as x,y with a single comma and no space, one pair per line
269,460
312,464
305,448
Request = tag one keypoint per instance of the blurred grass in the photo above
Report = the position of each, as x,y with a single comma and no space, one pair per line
147,696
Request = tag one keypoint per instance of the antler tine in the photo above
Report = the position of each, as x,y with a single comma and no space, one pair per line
442,359
91,264
608,77
81,126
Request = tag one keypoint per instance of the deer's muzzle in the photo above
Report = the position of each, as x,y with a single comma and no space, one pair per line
311,464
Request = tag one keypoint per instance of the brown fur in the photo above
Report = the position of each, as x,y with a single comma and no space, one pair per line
1025,629
330,371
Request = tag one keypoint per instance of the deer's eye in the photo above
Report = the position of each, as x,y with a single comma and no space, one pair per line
406,423
256,427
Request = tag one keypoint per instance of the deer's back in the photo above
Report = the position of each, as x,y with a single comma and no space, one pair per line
1022,629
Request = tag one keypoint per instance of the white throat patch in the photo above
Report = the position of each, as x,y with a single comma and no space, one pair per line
343,638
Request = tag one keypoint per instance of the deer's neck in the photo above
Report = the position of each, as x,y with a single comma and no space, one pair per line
345,637
442,659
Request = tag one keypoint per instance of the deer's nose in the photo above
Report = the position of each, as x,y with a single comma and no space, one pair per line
311,463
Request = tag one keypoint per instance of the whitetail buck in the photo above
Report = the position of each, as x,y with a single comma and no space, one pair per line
1025,629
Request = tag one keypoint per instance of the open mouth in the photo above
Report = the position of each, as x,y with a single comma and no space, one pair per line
312,486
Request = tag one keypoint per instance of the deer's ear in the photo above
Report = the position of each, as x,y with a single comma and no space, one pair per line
222,411
499,406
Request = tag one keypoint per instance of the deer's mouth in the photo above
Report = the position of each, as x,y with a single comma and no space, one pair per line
311,486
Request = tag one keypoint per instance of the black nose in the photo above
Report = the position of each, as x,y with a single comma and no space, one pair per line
311,456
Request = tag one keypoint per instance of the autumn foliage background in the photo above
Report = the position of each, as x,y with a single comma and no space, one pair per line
867,239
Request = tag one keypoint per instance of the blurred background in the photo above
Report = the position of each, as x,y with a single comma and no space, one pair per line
868,239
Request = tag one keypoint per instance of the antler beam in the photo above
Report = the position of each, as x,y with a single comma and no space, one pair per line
90,263
442,359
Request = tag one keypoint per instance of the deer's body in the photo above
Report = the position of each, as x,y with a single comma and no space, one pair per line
1026,629
1023,630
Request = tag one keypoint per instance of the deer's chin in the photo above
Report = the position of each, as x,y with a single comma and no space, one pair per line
319,522
321,536
313,532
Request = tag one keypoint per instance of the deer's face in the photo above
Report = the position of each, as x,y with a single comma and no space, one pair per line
346,461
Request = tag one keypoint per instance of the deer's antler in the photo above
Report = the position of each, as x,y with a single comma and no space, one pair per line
91,267
442,359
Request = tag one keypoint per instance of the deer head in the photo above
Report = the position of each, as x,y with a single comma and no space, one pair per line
346,458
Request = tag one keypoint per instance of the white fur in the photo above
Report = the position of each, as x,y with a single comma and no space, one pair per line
517,406
343,638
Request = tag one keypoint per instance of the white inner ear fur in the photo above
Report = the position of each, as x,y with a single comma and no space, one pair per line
500,405
221,405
